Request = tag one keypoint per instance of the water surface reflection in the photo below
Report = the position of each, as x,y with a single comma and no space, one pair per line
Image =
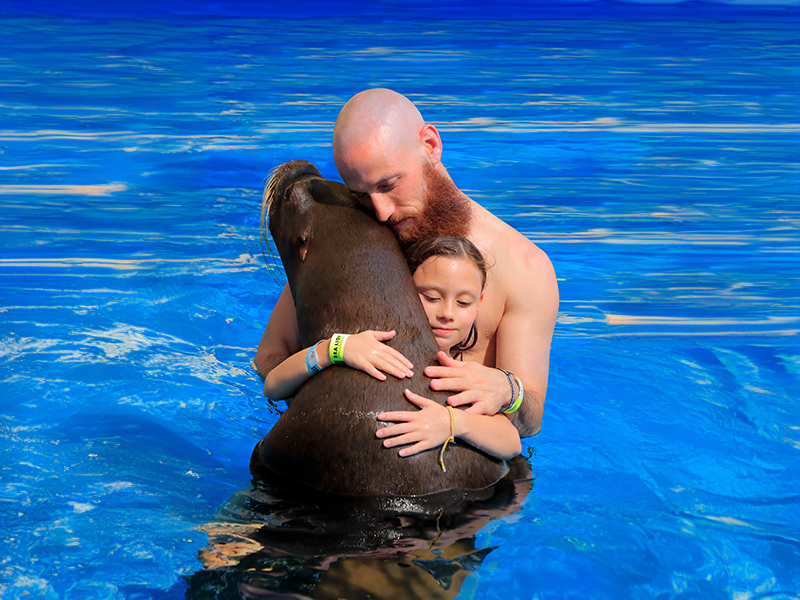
275,540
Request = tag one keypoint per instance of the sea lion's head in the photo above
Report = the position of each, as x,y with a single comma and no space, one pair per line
293,206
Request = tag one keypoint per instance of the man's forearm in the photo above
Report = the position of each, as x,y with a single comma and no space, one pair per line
528,419
267,359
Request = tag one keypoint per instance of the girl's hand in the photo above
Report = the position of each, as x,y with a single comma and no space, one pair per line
426,428
366,351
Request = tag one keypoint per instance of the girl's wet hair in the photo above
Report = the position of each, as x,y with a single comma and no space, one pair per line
445,245
454,246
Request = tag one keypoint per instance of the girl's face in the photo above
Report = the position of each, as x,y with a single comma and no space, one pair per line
450,290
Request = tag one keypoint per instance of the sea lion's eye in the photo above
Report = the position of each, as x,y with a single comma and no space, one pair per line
302,239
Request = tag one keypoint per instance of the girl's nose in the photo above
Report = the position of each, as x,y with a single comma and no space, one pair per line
446,311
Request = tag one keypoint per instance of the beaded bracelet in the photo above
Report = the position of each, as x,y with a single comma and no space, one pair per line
516,399
511,383
336,348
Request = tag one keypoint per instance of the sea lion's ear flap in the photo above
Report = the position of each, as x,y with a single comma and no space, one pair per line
330,192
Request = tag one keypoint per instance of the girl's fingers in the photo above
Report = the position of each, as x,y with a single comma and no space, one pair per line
420,446
462,398
369,369
384,335
402,440
396,357
401,424
418,400
395,366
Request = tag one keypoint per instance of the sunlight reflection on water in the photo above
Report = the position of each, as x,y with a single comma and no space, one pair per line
655,161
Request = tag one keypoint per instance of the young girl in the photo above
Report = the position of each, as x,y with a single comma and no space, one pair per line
449,273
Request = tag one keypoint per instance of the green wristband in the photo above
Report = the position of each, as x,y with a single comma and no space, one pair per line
336,348
516,401
514,407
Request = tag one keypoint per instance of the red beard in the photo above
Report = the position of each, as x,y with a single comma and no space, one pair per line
446,211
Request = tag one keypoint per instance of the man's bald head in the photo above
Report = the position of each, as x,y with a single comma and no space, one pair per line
390,159
378,121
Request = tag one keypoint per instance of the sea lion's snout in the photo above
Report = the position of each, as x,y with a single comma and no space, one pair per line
295,170
285,177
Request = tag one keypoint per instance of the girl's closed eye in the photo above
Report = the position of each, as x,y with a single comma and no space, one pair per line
449,273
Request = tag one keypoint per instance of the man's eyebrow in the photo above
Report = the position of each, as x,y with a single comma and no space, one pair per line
387,178
380,181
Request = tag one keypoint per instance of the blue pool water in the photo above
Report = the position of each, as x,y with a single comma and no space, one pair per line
650,150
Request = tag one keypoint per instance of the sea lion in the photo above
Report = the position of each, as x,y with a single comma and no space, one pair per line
347,274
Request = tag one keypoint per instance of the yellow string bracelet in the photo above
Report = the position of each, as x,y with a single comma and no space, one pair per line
448,440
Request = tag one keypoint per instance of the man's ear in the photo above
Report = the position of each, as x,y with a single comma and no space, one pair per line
431,142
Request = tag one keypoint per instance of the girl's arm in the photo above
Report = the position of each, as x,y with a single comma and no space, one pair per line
365,351
429,427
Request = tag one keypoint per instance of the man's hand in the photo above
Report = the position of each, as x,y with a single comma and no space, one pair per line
485,389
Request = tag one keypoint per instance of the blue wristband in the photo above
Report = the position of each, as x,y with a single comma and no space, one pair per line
312,361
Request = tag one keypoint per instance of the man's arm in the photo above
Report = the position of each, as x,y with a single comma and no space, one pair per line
281,339
523,344
522,347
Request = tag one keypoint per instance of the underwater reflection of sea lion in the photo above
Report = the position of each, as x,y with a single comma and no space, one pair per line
280,540
347,274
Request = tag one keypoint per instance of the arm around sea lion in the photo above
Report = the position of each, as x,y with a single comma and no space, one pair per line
523,341
281,338
284,370
431,425
365,351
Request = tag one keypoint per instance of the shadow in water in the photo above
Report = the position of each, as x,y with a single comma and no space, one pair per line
275,540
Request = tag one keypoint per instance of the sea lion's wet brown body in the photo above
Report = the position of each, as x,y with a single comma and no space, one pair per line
347,274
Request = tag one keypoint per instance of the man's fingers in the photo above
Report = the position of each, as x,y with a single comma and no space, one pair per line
439,372
446,360
474,403
461,399
451,384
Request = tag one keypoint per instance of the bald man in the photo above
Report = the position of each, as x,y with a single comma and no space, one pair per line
390,159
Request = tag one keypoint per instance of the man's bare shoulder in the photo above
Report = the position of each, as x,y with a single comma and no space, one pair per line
515,259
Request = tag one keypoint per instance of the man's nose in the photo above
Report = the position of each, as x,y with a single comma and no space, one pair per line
383,207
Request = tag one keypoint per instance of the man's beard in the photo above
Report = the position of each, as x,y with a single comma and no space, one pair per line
446,211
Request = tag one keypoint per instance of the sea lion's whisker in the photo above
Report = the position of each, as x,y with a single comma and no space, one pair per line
267,198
